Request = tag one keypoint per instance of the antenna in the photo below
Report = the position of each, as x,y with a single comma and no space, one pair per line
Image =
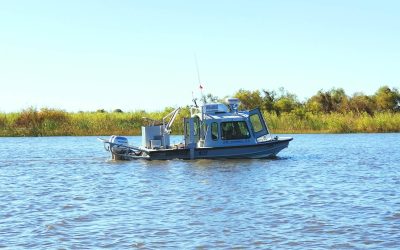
194,100
198,77
197,68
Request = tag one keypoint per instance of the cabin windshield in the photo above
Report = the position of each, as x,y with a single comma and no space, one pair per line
234,130
256,122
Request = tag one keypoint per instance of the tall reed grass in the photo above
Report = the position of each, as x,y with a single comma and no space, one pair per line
52,122
334,123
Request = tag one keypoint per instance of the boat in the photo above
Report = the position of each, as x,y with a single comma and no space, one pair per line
213,131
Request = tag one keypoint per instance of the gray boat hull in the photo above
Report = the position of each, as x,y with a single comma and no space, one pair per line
267,149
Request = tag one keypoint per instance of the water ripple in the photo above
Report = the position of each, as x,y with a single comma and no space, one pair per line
324,192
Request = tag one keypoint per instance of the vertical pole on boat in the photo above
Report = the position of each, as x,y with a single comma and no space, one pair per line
202,98
197,69
163,132
199,81
191,153
191,144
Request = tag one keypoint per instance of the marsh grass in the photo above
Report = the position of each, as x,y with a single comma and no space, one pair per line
334,123
52,122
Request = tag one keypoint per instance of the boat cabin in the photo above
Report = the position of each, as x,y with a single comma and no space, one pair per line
219,125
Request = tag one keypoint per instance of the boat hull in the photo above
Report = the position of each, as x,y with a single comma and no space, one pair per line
267,149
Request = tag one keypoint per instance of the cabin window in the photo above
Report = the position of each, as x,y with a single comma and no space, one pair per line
256,123
214,131
234,130
196,126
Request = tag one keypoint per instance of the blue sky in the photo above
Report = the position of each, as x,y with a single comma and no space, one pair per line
85,55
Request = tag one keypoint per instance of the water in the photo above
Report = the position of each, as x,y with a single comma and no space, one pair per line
323,192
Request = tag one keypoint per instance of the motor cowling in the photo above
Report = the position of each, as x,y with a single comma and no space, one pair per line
119,144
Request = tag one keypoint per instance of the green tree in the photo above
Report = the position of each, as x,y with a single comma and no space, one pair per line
360,103
249,99
387,99
334,100
321,102
286,102
209,98
269,99
118,111
340,101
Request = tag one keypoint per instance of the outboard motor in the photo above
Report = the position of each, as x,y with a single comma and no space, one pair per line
121,148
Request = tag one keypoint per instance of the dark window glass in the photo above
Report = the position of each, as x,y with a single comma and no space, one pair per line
214,131
196,126
234,130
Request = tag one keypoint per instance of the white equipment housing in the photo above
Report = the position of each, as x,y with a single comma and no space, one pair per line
154,137
212,108
233,104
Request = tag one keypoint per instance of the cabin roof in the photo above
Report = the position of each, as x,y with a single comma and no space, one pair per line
219,112
226,116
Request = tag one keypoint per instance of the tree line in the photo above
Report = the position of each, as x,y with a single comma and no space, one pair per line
331,111
335,100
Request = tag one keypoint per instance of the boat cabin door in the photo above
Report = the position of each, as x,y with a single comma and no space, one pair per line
192,130
258,124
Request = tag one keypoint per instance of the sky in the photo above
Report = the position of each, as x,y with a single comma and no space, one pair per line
140,55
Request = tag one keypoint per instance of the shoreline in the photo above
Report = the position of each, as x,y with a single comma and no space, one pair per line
60,123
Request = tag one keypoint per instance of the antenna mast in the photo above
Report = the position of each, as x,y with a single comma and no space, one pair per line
197,68
198,77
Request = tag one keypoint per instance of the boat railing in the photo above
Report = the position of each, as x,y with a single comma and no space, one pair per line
167,126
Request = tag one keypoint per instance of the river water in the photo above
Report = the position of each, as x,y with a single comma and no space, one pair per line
323,192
